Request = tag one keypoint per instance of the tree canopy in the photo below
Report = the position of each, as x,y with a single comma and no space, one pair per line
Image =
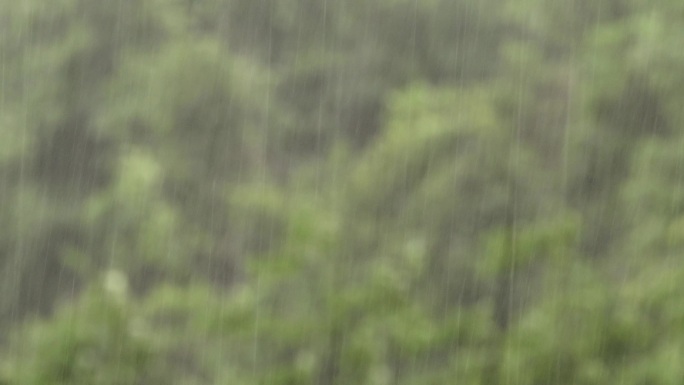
351,192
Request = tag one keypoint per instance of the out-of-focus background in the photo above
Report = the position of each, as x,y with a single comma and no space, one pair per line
341,192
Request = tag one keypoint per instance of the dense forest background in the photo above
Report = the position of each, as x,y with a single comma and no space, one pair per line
341,192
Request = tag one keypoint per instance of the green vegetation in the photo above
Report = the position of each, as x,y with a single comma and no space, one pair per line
341,192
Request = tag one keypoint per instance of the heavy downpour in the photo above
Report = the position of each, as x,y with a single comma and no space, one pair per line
341,192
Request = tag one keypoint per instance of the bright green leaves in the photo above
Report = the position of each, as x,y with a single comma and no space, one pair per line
426,131
142,227
590,333
655,194
97,341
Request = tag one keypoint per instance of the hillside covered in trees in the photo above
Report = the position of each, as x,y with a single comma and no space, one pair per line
341,192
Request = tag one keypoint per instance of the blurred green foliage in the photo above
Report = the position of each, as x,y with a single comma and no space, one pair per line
319,192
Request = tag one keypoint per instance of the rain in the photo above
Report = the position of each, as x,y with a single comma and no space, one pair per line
333,192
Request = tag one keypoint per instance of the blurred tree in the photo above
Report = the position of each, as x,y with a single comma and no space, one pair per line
319,192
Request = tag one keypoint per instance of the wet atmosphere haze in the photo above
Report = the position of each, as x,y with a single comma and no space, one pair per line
339,192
